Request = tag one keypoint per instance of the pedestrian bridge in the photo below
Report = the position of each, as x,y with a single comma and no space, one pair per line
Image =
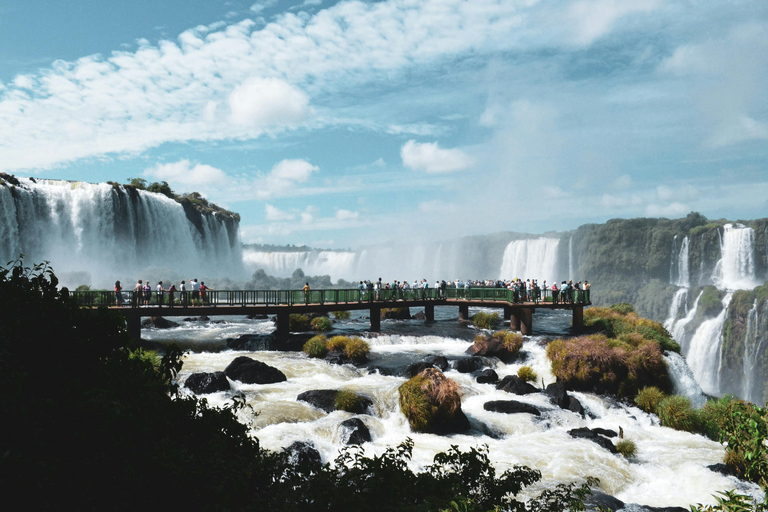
517,309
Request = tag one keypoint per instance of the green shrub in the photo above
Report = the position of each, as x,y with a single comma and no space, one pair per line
716,414
619,321
485,320
347,401
342,315
627,448
675,412
623,308
649,397
298,323
428,399
357,349
321,324
527,374
316,346
337,343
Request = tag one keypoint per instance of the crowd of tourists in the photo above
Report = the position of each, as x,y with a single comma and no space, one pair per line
142,294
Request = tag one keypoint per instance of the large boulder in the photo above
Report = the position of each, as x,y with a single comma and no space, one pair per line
250,371
250,342
303,453
204,383
593,435
325,400
354,431
511,407
416,368
432,403
158,322
516,385
469,364
502,344
488,376
395,313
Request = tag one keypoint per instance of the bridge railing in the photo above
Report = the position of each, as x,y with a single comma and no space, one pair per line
97,298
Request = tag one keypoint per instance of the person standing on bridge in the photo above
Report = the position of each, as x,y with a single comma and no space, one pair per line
147,292
171,293
306,293
159,292
118,294
183,293
138,290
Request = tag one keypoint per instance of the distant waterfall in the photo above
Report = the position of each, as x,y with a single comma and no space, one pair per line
570,258
753,345
736,268
534,259
680,274
337,264
677,327
678,308
704,352
103,232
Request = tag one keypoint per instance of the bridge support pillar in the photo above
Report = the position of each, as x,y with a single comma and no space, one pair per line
514,319
463,312
578,319
526,321
429,311
375,319
133,322
507,312
283,329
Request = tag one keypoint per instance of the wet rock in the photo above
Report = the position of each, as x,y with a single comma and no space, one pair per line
395,313
600,501
302,453
250,371
592,435
158,322
488,376
558,395
416,368
516,385
496,346
354,431
469,364
201,318
724,469
420,316
438,362
204,383
511,407
605,432
251,342
575,406
325,400
257,316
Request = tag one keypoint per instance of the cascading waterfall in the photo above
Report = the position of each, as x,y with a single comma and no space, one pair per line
683,381
337,264
753,344
106,233
677,328
683,272
570,258
534,259
678,308
704,351
736,268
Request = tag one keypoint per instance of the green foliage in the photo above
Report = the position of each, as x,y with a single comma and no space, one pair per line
627,448
623,308
710,303
83,288
485,320
342,315
676,412
139,183
347,400
649,398
161,188
357,349
321,324
429,399
732,501
745,430
316,346
527,374
298,322
618,320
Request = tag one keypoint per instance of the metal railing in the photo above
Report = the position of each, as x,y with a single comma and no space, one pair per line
213,298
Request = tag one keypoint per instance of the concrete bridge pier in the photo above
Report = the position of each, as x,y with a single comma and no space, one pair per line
133,324
514,320
526,321
375,319
578,319
429,311
463,312
283,329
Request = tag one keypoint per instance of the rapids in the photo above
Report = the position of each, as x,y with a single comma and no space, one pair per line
670,467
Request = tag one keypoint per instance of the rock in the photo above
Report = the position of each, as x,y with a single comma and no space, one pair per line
438,362
575,406
504,345
250,371
395,313
511,407
724,469
488,376
337,357
416,368
257,316
557,394
516,385
158,322
586,433
469,364
325,399
204,383
354,431
420,316
303,453
444,414
599,501
251,342
605,432
201,318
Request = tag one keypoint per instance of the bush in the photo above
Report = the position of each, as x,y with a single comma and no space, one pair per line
357,349
676,412
347,401
627,448
321,324
623,308
342,315
618,321
648,399
337,343
316,346
298,323
527,374
485,320
429,399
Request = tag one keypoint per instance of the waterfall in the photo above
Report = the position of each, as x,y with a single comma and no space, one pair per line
570,258
677,309
103,233
751,390
736,268
337,264
683,381
534,259
683,272
704,351
677,328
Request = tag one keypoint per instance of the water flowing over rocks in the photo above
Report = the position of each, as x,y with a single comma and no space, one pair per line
354,431
325,400
595,435
251,371
515,385
511,407
158,322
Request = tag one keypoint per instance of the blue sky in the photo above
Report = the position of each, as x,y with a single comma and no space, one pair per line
340,124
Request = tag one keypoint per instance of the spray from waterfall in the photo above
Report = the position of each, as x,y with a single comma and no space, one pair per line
534,259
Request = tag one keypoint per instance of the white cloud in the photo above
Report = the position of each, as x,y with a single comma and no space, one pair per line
664,193
260,6
267,101
275,214
428,157
184,173
588,20
347,215
669,210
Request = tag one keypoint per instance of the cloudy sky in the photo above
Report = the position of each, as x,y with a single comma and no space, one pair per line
338,124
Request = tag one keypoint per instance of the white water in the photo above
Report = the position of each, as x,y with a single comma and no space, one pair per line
678,309
570,258
670,468
752,391
683,381
97,231
683,271
736,268
677,328
534,259
704,352
337,264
